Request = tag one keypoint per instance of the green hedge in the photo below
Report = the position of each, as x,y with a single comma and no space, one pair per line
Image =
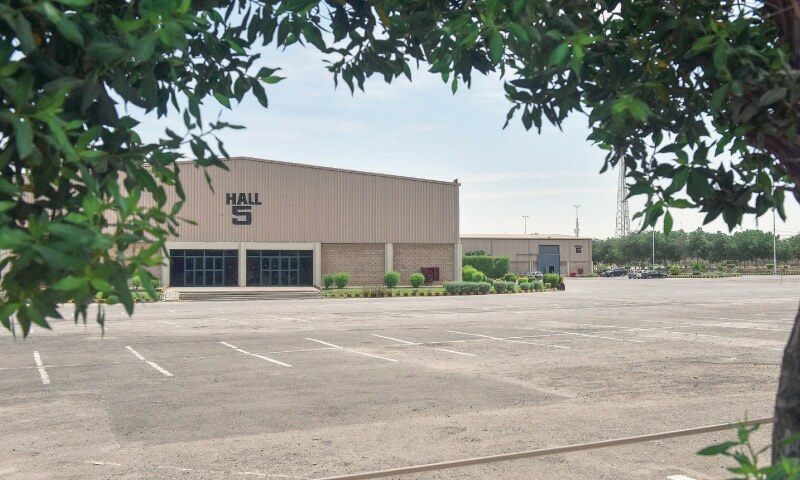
455,288
493,267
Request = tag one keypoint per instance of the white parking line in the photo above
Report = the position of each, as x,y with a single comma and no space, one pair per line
169,323
691,334
679,477
351,351
435,348
152,364
586,335
507,340
262,357
40,366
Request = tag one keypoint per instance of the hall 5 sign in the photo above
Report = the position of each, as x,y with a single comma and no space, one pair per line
242,206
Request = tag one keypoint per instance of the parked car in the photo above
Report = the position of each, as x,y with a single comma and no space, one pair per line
635,274
614,272
653,274
534,275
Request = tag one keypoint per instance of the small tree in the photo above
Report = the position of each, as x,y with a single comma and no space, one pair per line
341,279
391,279
329,280
416,279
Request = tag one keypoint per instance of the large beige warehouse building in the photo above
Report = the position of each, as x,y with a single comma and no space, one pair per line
544,253
271,223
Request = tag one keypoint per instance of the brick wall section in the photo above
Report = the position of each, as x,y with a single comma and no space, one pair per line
363,261
410,257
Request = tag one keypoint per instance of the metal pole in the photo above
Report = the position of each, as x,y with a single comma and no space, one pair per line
577,225
654,247
525,218
774,246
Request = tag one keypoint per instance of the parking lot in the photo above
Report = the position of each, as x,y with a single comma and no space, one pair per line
314,388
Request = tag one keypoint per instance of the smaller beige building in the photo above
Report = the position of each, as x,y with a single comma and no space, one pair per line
554,253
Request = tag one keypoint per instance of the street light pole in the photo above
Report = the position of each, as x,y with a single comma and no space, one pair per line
654,247
525,218
577,225
774,246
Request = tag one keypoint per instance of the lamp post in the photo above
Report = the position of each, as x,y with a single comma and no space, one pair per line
654,247
774,246
577,225
525,218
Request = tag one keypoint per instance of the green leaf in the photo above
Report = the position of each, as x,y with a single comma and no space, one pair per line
76,3
272,79
519,32
558,55
24,139
703,43
720,56
6,206
101,285
681,203
70,283
63,24
639,110
225,101
24,34
718,97
106,52
496,46
667,223
144,47
772,95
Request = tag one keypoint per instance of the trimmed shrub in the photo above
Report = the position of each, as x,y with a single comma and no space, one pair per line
510,277
329,280
474,253
674,269
391,279
522,280
547,285
341,279
501,286
525,286
553,279
484,287
493,267
416,279
471,274
770,265
538,285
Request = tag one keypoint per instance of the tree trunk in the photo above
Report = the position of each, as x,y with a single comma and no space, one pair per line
787,401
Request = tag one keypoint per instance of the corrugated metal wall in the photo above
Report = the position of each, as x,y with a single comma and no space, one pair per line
313,204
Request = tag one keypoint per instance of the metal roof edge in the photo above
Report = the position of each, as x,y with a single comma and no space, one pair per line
334,169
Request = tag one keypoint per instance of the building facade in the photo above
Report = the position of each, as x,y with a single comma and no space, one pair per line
544,253
269,223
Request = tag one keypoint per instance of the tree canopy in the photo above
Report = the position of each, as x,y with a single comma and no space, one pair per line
696,98
749,247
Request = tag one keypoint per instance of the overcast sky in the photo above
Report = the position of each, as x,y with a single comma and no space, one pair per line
421,129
